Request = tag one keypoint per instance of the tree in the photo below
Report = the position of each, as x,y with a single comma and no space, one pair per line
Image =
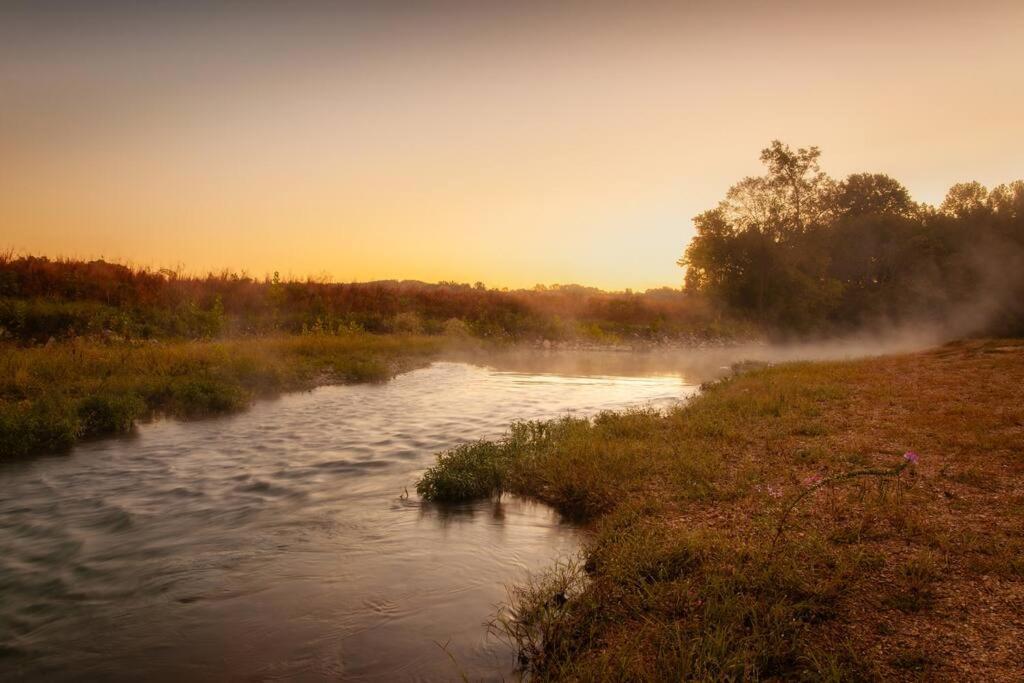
863,194
751,251
965,200
800,187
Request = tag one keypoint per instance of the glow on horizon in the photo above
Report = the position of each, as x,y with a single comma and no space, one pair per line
503,146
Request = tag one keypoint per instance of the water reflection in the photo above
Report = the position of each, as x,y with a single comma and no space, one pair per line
279,543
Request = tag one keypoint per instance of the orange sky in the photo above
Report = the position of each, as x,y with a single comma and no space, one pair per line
539,143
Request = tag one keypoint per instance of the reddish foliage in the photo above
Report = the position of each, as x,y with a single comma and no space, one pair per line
259,304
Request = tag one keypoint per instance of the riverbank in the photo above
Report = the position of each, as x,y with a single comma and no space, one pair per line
52,396
836,520
55,394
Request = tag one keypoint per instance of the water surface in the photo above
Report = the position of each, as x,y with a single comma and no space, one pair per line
279,543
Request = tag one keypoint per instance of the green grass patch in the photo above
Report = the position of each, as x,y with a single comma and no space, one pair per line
50,397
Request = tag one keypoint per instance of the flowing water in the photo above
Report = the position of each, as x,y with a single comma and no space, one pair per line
279,542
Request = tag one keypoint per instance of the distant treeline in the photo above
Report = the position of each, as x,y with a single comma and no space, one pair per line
793,251
41,298
799,251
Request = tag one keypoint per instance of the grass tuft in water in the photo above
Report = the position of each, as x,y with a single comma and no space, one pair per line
467,472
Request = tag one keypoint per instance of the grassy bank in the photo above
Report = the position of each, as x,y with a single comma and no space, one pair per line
837,521
52,396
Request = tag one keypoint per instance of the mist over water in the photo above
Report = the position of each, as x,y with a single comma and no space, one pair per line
703,363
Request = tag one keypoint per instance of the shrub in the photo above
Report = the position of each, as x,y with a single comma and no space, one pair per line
48,425
453,327
407,322
109,414
193,396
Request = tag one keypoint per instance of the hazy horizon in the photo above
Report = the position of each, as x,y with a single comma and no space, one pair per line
513,146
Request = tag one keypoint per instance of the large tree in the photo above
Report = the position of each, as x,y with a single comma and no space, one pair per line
754,250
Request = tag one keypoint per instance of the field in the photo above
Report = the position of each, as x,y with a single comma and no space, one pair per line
825,521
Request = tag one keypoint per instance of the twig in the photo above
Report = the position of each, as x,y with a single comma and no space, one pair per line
828,481
444,648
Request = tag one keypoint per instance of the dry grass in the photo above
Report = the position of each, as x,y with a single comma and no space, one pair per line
908,577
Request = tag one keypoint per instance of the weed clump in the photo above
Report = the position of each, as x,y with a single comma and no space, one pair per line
33,426
556,461
467,472
486,468
109,414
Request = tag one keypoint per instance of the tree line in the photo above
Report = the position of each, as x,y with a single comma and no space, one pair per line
800,251
42,298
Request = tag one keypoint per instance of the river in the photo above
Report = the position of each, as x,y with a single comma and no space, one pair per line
279,543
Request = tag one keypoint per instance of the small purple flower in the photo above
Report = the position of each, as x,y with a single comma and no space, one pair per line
812,480
911,457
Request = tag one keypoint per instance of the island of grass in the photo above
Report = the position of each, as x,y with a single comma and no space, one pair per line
819,521
51,396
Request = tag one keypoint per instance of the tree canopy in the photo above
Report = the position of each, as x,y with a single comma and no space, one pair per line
800,251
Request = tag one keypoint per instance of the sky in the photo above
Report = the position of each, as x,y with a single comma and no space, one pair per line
508,143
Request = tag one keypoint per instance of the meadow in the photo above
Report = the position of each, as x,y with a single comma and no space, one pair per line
819,521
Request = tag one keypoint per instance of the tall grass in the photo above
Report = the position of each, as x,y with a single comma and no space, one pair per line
52,396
